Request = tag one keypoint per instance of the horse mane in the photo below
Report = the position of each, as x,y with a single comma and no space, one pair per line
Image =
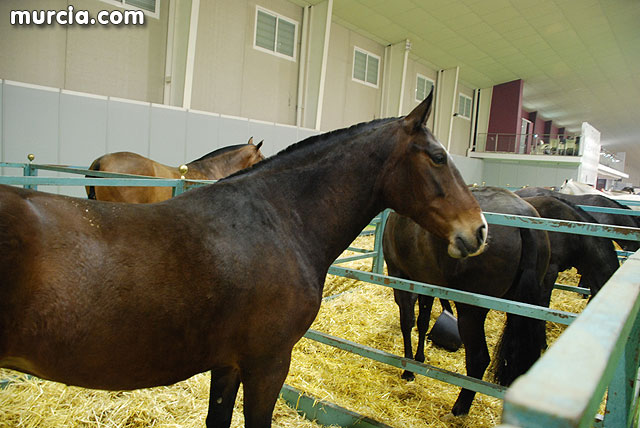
220,151
301,147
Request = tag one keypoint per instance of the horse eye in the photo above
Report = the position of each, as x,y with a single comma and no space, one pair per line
439,158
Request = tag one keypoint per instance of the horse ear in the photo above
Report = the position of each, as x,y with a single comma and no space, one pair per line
250,141
259,144
420,114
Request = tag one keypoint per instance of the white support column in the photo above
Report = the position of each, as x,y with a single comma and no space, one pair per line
191,53
302,65
395,69
446,94
319,29
176,56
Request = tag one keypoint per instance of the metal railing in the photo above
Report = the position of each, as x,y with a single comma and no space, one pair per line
533,144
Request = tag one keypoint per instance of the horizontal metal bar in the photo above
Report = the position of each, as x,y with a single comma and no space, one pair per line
358,250
408,364
354,258
79,181
504,305
12,165
609,210
579,290
324,412
86,171
552,225
627,202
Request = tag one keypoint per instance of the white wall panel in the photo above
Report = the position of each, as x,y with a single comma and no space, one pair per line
30,116
233,130
202,134
265,131
167,135
83,128
285,136
471,169
128,126
83,133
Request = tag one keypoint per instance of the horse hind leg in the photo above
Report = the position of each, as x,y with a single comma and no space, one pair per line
224,388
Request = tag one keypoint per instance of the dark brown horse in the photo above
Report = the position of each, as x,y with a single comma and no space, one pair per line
512,267
226,277
594,258
593,200
213,166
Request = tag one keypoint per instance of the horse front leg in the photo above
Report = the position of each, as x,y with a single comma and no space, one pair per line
471,326
406,302
425,303
222,397
262,381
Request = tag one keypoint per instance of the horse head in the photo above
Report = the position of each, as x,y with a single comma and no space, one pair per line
422,183
256,155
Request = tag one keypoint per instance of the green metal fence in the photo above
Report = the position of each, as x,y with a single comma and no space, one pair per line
617,352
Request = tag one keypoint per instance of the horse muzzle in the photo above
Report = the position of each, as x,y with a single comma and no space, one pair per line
469,241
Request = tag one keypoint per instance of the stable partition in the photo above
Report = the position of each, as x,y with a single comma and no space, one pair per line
72,128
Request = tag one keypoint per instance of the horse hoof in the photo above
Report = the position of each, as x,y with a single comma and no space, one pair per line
449,419
408,376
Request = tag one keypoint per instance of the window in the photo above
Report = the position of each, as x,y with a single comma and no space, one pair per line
275,34
365,67
423,87
464,106
149,7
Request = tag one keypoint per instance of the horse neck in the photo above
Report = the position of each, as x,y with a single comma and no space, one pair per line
222,165
329,200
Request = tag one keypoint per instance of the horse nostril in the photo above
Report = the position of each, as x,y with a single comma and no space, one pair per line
481,233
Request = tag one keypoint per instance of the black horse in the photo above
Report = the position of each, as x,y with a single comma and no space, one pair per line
595,258
512,267
225,278
593,200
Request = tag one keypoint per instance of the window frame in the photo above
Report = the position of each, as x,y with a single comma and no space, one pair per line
461,114
278,17
124,5
353,67
422,76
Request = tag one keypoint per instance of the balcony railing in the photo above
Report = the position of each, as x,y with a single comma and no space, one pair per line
533,144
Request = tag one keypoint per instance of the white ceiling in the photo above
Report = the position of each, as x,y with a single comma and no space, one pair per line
579,59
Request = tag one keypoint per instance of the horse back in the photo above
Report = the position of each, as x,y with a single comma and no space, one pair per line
135,164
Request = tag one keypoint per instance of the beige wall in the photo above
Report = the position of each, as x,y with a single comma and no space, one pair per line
409,102
121,61
461,128
230,76
347,102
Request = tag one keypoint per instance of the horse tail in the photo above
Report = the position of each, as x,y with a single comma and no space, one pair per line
91,190
523,338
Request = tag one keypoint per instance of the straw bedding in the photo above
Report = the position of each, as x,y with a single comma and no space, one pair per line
360,312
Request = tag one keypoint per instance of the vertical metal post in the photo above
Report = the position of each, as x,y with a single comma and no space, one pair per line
378,258
179,187
621,400
30,171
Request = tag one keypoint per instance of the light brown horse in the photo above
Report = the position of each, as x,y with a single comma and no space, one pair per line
226,277
213,166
